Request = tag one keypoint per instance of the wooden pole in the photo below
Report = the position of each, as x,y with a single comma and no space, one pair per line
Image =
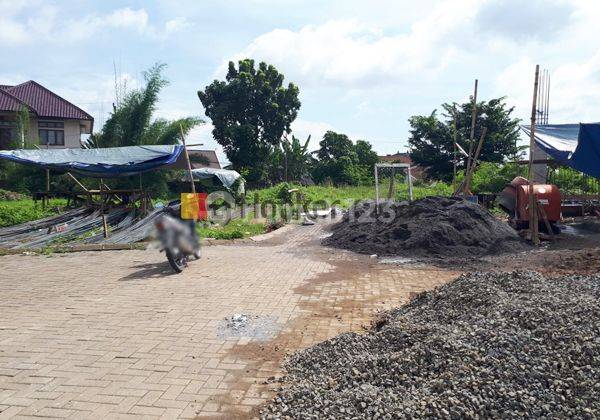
469,176
533,220
391,187
376,190
472,134
455,153
187,160
77,181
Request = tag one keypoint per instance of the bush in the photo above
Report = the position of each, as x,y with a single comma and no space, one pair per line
17,212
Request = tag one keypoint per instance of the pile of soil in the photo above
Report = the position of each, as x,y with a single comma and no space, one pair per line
432,227
487,345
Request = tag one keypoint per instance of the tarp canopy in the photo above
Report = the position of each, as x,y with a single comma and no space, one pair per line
213,176
573,145
110,162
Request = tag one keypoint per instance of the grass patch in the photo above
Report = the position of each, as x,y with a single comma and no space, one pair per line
21,211
325,197
236,229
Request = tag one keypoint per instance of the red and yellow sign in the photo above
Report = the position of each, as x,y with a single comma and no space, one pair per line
193,206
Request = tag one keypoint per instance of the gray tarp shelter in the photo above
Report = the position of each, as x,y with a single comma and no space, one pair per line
109,162
214,176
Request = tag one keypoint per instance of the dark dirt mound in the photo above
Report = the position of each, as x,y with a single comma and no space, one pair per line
431,227
488,345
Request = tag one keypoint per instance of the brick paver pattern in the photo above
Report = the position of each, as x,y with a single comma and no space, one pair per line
115,334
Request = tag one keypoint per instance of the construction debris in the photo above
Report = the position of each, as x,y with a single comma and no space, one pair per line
487,345
431,227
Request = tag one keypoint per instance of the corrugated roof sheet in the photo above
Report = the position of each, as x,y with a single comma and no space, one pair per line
46,103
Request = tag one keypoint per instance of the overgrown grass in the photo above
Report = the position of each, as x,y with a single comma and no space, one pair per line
344,196
236,229
21,211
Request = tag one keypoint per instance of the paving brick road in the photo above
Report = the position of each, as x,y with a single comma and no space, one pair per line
115,335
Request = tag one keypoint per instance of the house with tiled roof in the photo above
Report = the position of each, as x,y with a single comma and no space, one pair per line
54,122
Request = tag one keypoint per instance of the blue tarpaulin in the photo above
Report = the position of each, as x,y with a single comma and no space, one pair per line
110,162
573,145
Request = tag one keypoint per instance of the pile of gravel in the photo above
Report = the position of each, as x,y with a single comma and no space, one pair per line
431,227
486,345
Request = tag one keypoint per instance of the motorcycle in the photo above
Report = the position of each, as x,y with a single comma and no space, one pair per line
178,240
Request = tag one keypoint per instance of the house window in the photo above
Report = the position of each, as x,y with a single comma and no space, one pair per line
8,133
52,133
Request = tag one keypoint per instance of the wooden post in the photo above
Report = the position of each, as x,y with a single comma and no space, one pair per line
187,160
376,190
391,187
533,219
469,176
454,154
104,223
472,134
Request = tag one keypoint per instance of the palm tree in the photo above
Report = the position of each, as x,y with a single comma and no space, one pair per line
131,122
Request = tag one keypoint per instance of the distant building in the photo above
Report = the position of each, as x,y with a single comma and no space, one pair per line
415,170
54,122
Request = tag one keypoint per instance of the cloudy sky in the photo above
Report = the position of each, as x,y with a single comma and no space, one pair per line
363,67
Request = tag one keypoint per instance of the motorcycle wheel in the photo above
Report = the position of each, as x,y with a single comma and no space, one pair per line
177,261
197,253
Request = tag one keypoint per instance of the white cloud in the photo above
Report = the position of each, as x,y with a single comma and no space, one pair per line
351,53
34,21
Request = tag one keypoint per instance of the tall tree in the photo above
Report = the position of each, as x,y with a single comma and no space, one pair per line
431,137
250,111
342,161
131,122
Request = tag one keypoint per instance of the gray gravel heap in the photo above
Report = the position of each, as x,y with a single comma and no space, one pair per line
486,345
432,227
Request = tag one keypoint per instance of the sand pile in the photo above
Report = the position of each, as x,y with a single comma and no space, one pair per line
430,227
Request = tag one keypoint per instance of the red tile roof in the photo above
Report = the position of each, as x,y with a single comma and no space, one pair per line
44,103
9,102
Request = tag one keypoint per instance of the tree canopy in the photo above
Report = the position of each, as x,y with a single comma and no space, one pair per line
250,111
131,123
342,161
431,137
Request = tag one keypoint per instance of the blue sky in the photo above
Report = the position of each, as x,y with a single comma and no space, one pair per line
363,68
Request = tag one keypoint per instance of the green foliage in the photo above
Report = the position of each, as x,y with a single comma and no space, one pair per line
491,177
343,162
235,229
250,110
131,122
21,211
324,197
431,137
291,161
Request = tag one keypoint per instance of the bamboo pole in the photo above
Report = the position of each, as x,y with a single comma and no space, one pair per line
472,134
474,163
187,160
455,155
77,181
533,220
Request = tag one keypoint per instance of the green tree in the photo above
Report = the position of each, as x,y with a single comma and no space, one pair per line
291,161
131,122
431,137
250,111
342,161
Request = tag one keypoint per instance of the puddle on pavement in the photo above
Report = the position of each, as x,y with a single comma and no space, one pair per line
254,327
